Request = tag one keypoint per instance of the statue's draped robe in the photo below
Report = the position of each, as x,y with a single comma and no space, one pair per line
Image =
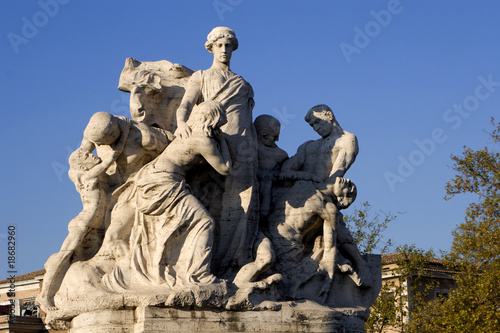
172,236
237,226
173,242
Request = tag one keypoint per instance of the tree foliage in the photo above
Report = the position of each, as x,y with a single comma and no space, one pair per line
403,291
474,306
368,229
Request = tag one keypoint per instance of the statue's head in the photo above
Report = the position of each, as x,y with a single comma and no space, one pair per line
345,191
83,160
268,129
145,84
221,42
219,33
207,116
103,129
321,118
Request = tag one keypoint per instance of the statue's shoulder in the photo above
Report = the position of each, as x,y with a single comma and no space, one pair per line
349,138
309,143
196,76
349,135
239,77
307,147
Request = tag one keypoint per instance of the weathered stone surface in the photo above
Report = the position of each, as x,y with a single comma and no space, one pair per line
194,220
156,89
301,316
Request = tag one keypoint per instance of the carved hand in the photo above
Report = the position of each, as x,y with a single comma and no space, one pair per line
183,130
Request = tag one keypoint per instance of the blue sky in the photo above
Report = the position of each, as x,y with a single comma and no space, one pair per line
414,80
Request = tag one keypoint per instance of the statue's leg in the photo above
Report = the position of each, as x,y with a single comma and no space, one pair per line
116,239
57,264
362,275
264,259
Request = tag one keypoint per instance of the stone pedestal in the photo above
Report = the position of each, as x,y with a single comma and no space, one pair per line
293,317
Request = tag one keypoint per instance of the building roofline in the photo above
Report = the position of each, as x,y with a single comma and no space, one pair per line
393,258
25,277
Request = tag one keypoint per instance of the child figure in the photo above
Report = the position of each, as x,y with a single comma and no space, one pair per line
87,172
271,157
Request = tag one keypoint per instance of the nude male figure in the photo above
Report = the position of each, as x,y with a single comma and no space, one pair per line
142,143
324,161
271,157
123,146
86,171
132,145
310,211
327,158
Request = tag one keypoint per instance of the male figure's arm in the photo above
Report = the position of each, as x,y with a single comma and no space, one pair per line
348,149
154,139
218,159
111,154
293,167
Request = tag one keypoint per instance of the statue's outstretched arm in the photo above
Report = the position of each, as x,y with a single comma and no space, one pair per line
190,98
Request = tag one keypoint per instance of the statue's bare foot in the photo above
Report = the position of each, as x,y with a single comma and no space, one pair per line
275,278
241,300
346,268
47,303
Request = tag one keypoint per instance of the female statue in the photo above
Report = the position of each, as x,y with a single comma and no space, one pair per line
238,225
172,237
